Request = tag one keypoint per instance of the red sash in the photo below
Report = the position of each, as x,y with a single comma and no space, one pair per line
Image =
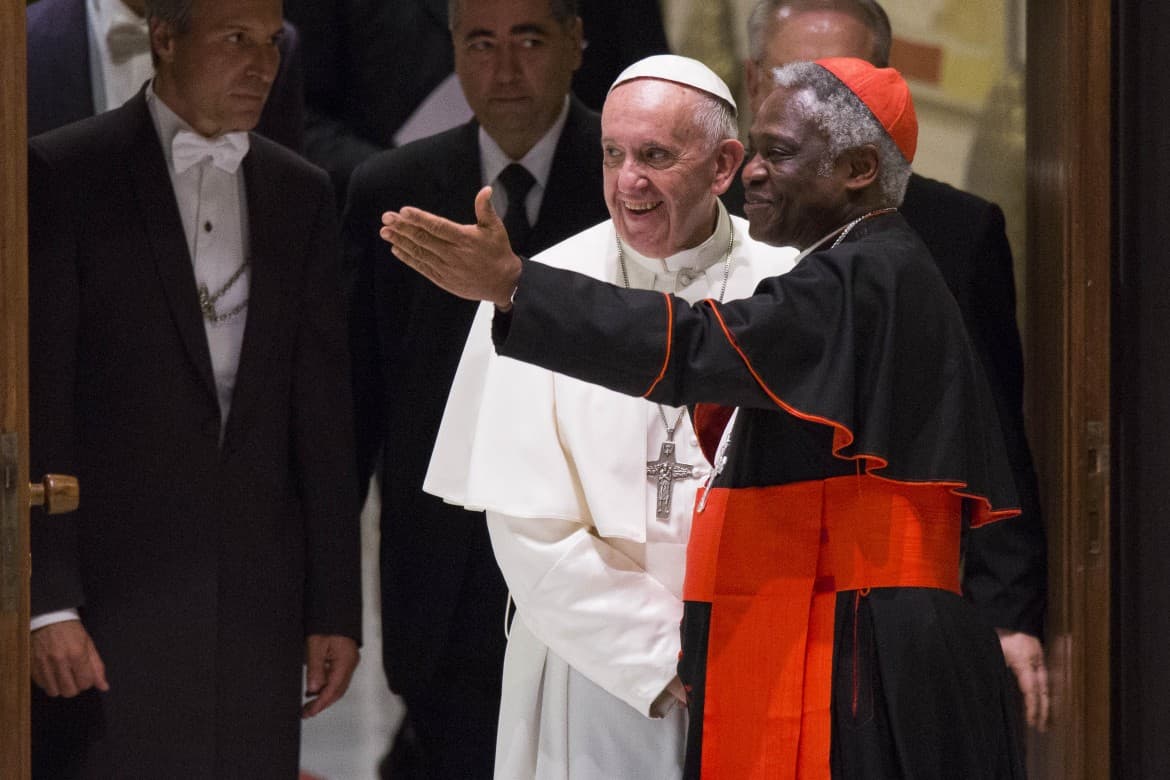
771,561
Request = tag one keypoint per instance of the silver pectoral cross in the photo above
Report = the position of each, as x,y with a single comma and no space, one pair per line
666,470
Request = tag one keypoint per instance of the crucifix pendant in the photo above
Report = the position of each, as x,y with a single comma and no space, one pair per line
666,470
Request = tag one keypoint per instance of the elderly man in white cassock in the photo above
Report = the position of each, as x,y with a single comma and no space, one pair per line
588,492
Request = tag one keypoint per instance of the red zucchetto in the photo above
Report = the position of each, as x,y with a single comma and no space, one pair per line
885,93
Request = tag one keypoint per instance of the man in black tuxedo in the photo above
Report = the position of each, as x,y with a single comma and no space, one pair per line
1005,564
443,597
369,64
67,37
189,363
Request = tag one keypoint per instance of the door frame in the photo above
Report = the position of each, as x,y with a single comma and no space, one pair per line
14,664
1069,149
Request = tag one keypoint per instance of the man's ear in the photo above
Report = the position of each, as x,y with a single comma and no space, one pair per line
862,166
728,157
162,40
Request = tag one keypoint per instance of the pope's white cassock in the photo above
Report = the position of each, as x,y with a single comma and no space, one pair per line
562,469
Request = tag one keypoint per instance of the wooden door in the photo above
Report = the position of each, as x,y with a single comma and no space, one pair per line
14,559
1068,359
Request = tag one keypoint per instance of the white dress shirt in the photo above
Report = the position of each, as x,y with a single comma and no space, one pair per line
213,208
538,161
114,82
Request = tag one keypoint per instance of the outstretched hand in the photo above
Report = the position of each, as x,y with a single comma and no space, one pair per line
471,261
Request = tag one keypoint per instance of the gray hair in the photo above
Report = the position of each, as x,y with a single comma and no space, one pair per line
716,119
847,122
564,11
868,12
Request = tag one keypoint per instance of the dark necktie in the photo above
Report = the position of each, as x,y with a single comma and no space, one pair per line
517,182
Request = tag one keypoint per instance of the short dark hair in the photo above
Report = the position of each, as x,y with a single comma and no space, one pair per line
176,13
564,11
868,12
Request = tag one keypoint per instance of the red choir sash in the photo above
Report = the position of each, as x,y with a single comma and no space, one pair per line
771,561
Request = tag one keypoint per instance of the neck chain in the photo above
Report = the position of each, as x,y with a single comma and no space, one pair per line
845,230
666,469
207,299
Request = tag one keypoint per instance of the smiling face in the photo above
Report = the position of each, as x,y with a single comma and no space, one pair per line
216,74
791,199
662,169
515,61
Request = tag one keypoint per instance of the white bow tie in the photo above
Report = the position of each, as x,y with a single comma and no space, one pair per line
226,151
127,39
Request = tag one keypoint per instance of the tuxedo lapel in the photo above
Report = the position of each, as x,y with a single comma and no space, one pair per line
271,252
168,244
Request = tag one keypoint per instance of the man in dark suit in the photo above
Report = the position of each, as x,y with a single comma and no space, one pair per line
443,597
370,64
188,363
1005,564
66,38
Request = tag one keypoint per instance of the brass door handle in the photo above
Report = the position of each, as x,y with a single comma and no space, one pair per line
57,493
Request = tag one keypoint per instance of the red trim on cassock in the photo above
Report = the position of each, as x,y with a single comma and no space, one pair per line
843,437
669,344
770,561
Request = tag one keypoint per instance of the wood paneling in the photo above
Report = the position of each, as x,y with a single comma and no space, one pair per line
1068,404
14,674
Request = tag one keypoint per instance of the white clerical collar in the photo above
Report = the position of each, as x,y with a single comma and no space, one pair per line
697,258
538,160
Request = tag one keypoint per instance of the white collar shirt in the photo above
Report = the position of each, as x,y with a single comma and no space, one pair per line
212,205
538,161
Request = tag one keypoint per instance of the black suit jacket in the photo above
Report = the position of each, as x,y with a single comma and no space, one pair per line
60,89
1005,571
369,64
199,565
407,338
